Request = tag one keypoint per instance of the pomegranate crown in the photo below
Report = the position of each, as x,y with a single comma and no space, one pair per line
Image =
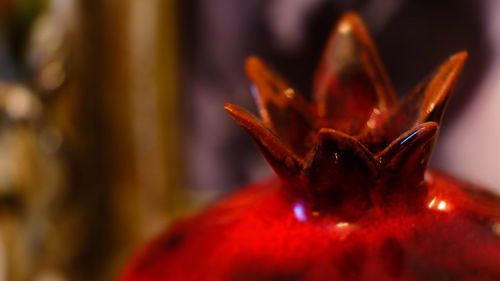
356,142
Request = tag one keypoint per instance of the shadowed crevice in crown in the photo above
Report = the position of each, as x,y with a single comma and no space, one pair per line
402,166
355,143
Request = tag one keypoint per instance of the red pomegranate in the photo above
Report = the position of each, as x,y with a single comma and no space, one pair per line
353,200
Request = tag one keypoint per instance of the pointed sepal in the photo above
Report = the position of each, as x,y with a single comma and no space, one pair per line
340,172
427,102
438,88
281,159
402,166
281,108
351,81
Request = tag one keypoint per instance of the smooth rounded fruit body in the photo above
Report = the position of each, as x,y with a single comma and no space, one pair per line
261,234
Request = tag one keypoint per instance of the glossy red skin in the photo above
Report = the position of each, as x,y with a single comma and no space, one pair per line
260,234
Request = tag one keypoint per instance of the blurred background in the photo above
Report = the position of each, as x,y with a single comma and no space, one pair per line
112,122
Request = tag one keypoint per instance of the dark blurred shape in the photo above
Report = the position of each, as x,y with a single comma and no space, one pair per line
422,34
17,18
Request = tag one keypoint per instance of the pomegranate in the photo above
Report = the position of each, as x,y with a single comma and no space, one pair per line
353,199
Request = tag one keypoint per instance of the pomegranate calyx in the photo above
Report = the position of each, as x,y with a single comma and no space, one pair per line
355,144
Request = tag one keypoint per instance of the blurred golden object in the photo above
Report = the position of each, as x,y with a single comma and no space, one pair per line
90,160
30,180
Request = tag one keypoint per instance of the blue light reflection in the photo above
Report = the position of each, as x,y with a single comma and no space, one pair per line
300,211
411,136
